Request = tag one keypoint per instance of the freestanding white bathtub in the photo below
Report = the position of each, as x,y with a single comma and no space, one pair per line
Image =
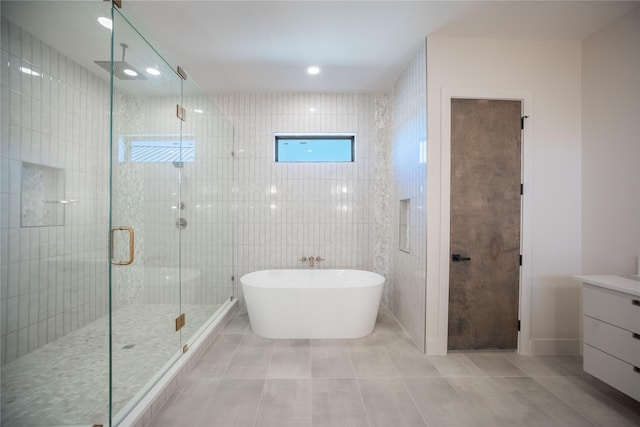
297,304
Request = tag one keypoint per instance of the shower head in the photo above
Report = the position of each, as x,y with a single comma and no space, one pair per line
121,69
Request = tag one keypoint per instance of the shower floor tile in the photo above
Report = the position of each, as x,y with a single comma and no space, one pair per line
66,382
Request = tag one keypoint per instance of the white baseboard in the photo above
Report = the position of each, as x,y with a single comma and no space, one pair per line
434,347
554,346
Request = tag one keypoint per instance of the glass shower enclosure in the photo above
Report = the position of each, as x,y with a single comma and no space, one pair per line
116,241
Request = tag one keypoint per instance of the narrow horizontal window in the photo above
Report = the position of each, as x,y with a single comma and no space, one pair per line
315,148
157,149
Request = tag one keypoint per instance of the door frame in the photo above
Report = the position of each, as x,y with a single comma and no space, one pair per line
442,247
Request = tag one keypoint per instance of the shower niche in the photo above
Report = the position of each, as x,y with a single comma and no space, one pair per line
404,225
42,197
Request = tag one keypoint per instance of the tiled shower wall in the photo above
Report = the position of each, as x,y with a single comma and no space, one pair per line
147,198
289,210
410,179
53,277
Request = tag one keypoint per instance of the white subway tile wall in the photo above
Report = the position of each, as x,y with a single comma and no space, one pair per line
410,178
286,211
53,278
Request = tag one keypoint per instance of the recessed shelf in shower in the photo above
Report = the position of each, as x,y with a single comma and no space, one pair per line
42,196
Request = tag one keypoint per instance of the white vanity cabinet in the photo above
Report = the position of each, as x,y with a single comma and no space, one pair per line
611,330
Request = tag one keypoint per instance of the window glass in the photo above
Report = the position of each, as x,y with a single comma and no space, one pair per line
157,149
315,148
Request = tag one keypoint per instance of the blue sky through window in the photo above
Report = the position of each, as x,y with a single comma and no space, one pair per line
315,148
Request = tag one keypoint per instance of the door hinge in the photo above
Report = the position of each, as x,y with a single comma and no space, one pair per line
520,260
180,322
181,113
518,325
233,278
521,189
182,73
522,121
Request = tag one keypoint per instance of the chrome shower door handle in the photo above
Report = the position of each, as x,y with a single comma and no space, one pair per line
129,230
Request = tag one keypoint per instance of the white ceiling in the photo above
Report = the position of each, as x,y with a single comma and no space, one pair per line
362,46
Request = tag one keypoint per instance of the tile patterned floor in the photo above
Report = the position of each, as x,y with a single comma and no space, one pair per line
66,382
383,380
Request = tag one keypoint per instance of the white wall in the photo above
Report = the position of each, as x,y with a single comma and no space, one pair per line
550,72
611,148
409,170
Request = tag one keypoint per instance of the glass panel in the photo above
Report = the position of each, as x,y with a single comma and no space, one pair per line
158,149
54,214
145,295
315,148
207,196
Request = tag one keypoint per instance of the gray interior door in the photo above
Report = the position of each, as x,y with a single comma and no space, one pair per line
485,224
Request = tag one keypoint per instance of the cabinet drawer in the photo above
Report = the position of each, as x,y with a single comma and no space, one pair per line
611,339
612,308
612,371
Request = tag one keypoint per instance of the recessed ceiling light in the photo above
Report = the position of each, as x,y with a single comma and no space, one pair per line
197,110
313,70
313,110
105,22
153,71
129,72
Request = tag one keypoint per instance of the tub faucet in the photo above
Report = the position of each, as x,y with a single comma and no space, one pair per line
311,260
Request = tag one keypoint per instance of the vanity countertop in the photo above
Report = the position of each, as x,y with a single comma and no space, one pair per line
627,284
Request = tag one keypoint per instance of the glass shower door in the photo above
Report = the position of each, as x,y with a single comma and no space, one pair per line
147,164
207,202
